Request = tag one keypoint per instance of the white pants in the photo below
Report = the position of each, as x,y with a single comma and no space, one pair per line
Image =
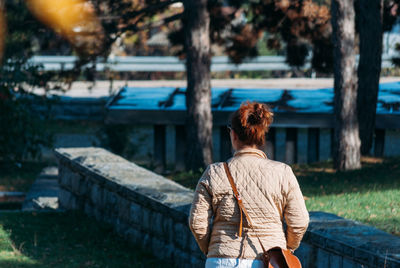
230,263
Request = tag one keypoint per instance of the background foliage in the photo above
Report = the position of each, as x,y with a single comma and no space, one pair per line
21,134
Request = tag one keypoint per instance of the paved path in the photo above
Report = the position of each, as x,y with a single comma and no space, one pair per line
105,88
43,195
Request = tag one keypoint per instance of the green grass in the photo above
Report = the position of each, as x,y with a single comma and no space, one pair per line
19,176
370,195
65,240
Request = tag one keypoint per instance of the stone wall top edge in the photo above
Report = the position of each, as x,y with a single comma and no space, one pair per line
143,177
108,162
339,234
170,203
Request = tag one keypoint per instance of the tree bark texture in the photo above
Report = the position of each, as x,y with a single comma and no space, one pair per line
370,29
347,141
198,93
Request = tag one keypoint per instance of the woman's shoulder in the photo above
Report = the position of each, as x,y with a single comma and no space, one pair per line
280,167
276,164
215,168
262,163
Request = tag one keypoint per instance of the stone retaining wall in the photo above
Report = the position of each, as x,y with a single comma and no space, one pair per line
152,211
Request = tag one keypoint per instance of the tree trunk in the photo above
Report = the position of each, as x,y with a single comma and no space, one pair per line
198,93
369,68
347,141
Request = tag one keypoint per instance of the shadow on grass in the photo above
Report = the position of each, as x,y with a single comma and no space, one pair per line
66,240
19,176
17,264
320,179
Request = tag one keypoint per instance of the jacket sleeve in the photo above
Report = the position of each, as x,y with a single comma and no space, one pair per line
201,212
295,212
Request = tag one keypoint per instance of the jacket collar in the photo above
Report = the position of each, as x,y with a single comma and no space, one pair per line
250,151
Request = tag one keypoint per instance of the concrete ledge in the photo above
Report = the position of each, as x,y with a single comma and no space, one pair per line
152,211
143,207
342,241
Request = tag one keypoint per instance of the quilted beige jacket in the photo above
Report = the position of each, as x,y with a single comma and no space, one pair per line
271,195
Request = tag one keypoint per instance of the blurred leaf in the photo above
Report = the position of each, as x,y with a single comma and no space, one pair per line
74,19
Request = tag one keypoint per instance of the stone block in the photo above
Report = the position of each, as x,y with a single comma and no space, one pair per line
64,177
336,246
306,254
96,196
110,202
79,203
156,227
317,239
383,262
98,214
161,249
68,200
121,227
123,209
71,180
135,214
146,241
322,258
363,256
197,262
146,222
168,224
181,258
349,263
84,186
89,210
194,248
134,236
75,181
108,217
182,234
63,198
335,261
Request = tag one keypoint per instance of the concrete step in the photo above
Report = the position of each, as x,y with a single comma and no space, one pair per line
43,195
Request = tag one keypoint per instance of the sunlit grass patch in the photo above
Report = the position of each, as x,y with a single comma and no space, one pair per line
10,255
370,195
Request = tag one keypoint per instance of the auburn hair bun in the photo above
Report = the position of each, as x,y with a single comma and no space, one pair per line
251,122
253,114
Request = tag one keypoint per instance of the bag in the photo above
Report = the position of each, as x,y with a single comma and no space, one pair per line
279,257
274,257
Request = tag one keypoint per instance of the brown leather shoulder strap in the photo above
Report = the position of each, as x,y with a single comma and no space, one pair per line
237,195
241,206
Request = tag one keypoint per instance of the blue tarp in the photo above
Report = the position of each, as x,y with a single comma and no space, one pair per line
228,99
